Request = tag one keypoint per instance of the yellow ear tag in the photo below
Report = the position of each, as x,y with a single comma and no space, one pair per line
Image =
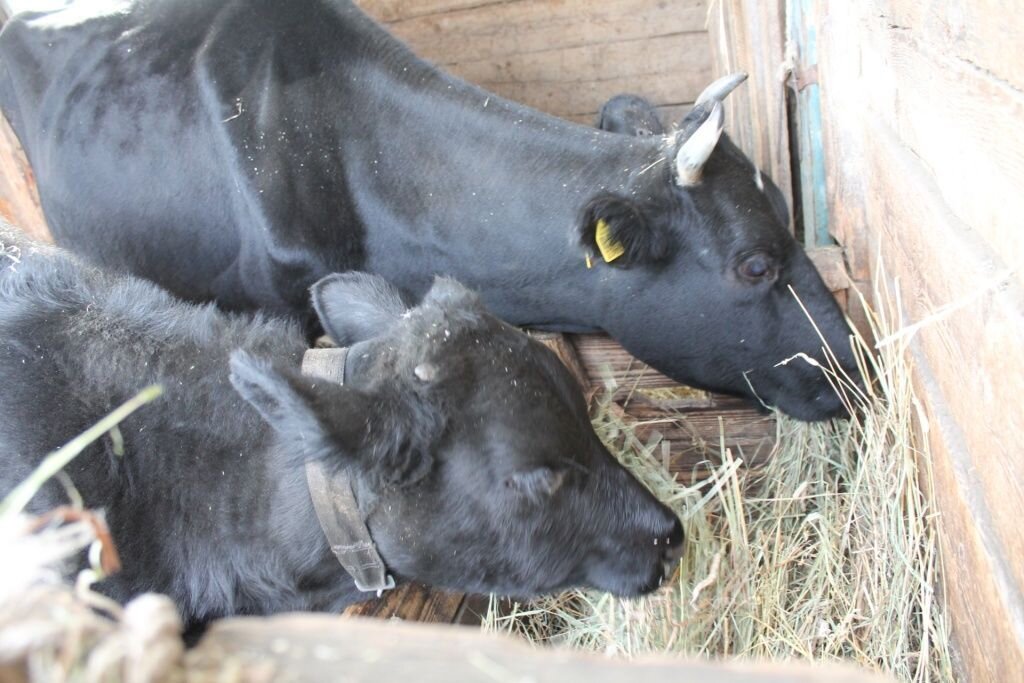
606,244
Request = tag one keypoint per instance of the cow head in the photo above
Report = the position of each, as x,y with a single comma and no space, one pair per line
470,447
699,276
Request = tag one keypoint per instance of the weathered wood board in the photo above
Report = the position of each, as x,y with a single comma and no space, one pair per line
412,602
933,192
565,57
311,648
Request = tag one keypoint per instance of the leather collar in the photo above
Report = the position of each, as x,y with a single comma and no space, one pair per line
333,497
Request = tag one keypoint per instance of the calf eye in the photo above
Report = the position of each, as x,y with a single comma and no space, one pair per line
757,267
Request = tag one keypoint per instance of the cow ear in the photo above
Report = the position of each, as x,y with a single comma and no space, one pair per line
614,230
354,307
390,438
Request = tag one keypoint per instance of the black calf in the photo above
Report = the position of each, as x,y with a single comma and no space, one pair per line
467,443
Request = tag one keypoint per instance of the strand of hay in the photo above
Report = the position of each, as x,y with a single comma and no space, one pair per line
828,553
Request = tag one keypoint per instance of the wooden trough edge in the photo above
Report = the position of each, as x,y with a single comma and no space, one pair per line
321,647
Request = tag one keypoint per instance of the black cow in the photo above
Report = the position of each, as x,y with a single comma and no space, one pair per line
629,115
469,445
238,150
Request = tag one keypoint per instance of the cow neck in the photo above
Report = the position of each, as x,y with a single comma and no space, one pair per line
334,499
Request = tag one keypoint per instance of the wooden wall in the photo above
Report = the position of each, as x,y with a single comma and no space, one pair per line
565,57
923,107
748,35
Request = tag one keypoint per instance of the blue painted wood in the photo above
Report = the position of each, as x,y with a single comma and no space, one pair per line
802,36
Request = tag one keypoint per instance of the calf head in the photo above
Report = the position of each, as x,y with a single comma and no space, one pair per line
630,115
469,446
700,277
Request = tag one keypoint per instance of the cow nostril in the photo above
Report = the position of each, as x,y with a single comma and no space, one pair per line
675,536
671,544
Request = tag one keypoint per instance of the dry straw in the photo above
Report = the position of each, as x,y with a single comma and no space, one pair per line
827,553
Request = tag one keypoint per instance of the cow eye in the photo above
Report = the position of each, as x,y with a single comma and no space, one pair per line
757,267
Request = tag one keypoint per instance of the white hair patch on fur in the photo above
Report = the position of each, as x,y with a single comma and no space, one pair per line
758,180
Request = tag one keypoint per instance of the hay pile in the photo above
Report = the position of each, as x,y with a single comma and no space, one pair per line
829,553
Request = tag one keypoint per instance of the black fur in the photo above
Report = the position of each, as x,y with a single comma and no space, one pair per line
481,475
629,115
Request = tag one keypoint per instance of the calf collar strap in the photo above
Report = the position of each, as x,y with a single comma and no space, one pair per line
335,502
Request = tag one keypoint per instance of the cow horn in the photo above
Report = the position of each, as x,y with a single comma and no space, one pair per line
694,153
721,88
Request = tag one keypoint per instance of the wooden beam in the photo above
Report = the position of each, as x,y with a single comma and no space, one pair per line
319,648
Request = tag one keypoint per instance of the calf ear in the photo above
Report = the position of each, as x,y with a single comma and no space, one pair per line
615,231
389,438
354,307
286,401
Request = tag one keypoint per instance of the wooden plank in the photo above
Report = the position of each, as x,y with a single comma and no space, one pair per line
605,359
968,364
986,632
578,80
322,648
19,199
697,438
696,425
473,610
831,266
747,35
802,39
565,58
976,359
492,31
411,602
972,144
977,33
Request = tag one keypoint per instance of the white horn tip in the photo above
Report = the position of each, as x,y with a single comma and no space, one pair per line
697,149
721,87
